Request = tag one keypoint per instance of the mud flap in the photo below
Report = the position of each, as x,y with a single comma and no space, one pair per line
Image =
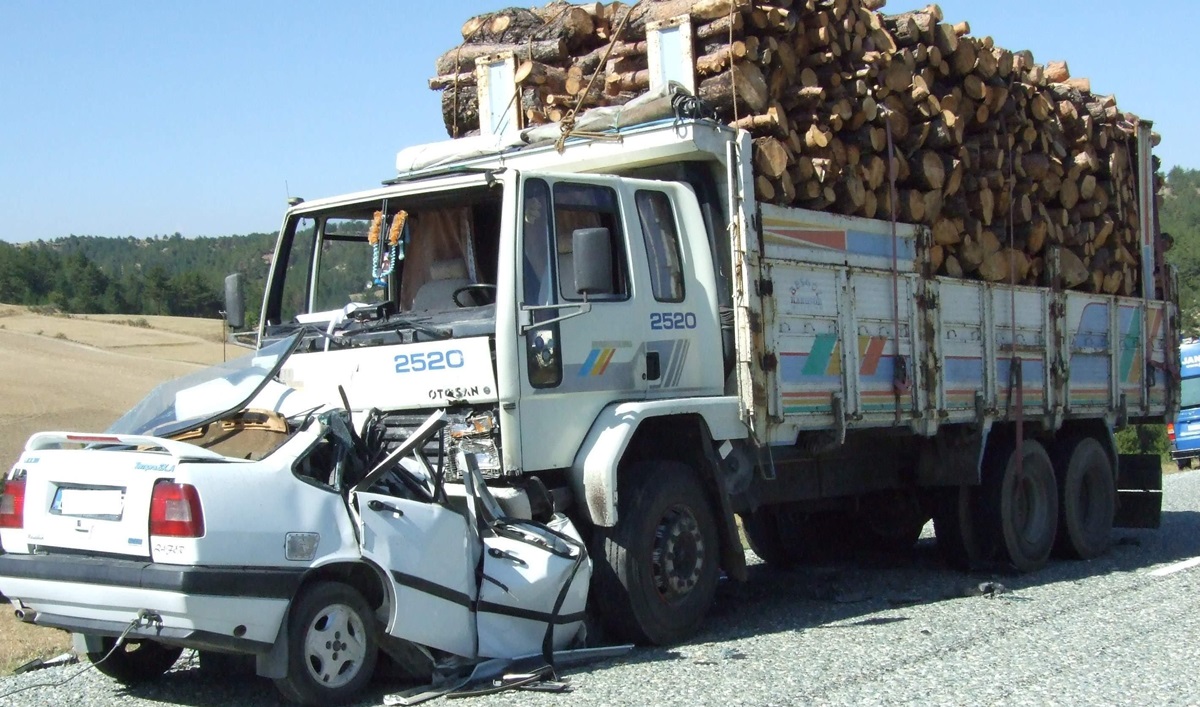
1139,491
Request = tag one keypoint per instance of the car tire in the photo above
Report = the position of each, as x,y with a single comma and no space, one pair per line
135,660
656,571
332,646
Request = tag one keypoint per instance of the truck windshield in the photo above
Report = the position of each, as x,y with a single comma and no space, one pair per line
411,253
201,397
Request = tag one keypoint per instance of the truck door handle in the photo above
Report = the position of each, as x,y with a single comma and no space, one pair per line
653,367
379,506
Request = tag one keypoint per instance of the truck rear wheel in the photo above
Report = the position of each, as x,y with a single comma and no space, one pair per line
1086,498
956,527
656,570
890,522
1020,503
135,660
762,532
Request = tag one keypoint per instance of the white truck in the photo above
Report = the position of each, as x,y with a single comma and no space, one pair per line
613,328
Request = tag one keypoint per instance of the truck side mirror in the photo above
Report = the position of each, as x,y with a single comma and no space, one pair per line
235,301
591,257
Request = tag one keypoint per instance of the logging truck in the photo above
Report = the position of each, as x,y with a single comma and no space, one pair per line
637,338
532,375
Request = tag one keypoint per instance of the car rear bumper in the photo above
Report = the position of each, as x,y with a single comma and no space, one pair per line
229,608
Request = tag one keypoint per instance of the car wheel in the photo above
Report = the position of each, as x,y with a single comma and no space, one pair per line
332,648
656,571
135,660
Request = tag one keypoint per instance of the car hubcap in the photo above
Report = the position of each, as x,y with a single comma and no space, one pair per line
335,646
678,556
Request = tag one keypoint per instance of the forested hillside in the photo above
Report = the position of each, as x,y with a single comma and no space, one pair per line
1180,216
163,275
184,276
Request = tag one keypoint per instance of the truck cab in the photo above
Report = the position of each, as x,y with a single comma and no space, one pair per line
555,310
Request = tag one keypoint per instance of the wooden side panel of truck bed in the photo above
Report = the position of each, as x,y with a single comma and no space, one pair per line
856,337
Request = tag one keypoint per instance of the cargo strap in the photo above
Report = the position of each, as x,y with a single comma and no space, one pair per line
901,384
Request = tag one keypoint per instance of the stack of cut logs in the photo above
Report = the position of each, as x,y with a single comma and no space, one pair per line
1005,160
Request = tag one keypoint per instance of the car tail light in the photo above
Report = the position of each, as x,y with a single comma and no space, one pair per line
175,511
12,504
1171,431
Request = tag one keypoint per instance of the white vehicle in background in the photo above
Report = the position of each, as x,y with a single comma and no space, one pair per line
226,513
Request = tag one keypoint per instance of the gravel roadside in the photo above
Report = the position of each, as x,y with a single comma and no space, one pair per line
1102,632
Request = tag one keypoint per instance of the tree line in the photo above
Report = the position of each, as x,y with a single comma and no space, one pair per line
185,276
169,275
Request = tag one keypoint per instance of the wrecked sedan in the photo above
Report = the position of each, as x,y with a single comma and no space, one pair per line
228,513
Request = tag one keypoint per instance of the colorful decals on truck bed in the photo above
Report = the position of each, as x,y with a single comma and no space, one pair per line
836,240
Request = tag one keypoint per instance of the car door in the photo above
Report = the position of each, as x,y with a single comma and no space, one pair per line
428,549
429,553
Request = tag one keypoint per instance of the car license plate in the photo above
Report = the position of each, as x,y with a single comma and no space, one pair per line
89,502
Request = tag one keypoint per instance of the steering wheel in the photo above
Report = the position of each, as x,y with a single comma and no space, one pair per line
468,288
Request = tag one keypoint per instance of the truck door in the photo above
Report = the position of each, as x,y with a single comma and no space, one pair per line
634,341
577,357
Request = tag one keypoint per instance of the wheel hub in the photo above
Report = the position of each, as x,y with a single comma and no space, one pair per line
679,554
335,646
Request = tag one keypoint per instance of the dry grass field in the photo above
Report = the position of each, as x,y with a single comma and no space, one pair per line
81,373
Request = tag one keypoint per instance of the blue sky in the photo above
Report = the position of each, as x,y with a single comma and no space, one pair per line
122,118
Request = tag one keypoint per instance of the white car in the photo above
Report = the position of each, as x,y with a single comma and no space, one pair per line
225,513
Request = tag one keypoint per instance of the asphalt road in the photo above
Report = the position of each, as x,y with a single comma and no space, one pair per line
1122,629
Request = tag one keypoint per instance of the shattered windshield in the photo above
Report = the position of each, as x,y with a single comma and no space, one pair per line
201,397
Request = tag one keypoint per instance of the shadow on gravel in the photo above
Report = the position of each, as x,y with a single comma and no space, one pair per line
227,684
841,592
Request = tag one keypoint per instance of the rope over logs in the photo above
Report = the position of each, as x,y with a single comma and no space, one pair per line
1007,161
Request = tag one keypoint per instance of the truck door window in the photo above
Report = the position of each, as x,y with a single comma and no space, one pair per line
544,362
586,206
662,245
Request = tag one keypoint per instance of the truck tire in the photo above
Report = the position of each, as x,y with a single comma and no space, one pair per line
332,647
135,660
1020,506
656,571
762,533
786,536
956,527
890,523
1086,498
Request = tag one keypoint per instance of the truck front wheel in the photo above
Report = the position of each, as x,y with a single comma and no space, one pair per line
656,570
